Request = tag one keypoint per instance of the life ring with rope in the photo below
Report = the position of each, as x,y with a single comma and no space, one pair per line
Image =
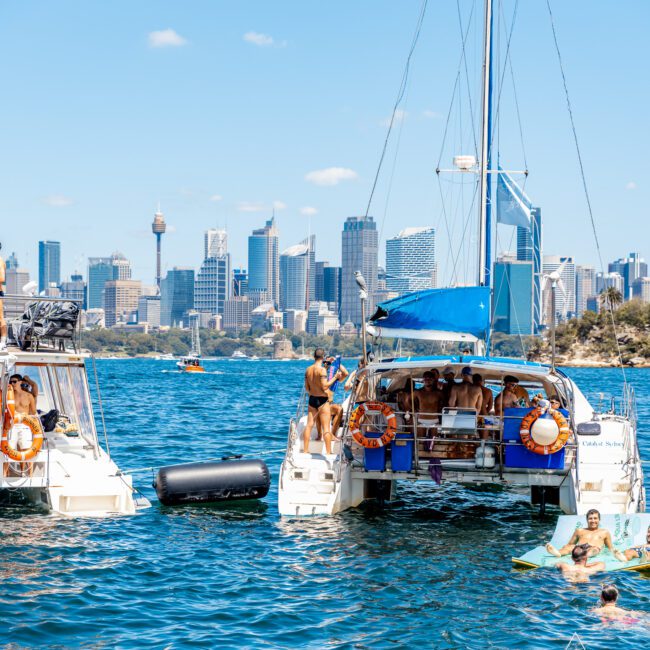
34,425
360,412
528,437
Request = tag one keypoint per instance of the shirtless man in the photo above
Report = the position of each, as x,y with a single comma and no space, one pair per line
488,399
448,375
593,537
3,322
25,400
429,400
466,394
580,570
512,395
336,410
640,552
316,385
609,610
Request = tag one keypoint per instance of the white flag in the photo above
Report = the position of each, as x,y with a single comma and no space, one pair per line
513,206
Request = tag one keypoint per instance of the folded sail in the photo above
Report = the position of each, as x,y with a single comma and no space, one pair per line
460,313
513,206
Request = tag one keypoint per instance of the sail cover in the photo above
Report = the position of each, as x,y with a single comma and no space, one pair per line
460,313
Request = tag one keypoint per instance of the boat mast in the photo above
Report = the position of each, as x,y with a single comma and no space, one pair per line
484,231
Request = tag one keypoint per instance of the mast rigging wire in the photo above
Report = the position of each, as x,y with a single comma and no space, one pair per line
400,95
610,308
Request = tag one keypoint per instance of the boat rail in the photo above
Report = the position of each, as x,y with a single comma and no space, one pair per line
15,308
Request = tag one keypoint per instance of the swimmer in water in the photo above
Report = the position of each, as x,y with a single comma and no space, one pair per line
593,537
609,609
580,571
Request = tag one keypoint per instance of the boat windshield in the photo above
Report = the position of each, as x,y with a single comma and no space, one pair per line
64,388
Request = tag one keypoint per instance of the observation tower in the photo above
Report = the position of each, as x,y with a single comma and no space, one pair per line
158,227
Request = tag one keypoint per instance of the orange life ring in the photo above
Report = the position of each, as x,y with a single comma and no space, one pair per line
360,412
544,450
34,425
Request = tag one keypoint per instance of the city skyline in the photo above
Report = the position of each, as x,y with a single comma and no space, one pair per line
243,159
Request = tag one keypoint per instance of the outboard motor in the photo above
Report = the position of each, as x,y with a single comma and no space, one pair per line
210,482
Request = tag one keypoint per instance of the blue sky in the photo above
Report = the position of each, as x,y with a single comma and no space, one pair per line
221,110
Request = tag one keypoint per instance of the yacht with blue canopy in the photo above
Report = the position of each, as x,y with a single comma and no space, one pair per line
511,423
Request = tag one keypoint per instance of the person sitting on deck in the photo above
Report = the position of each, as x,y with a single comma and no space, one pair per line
512,395
580,570
448,375
25,394
429,401
466,394
316,385
593,538
641,552
487,403
408,400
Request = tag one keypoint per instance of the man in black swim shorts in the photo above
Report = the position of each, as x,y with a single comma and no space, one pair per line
316,385
640,552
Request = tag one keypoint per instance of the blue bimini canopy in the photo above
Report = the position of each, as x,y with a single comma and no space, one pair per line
456,314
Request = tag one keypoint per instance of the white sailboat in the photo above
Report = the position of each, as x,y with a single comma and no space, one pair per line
192,362
51,454
563,452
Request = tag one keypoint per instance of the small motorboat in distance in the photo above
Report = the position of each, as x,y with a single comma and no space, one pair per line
192,361
238,354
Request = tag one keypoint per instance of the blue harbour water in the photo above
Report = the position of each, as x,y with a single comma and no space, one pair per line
433,572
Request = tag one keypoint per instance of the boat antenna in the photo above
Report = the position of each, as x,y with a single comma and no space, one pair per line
363,296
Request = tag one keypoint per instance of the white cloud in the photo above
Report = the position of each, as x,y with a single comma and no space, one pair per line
630,186
400,116
308,211
58,201
432,115
216,197
279,205
250,206
166,38
331,176
261,40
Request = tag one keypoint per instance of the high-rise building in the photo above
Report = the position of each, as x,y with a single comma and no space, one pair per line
215,243
610,280
176,296
512,304
294,277
121,300
212,285
585,287
239,282
158,228
16,278
100,271
529,249
263,261
359,249
411,260
237,314
74,289
49,264
641,289
295,320
121,267
332,287
149,310
11,262
319,280
565,297
629,268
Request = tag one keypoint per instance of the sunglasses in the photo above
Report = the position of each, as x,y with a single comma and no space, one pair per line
13,381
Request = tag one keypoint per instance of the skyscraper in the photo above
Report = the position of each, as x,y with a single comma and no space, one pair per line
176,296
585,287
529,249
49,264
11,262
641,289
359,248
239,282
411,260
297,276
74,289
121,267
100,271
565,301
512,305
263,261
212,285
158,228
629,268
332,287
121,301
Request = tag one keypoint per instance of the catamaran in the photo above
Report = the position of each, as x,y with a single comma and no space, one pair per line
51,454
554,445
